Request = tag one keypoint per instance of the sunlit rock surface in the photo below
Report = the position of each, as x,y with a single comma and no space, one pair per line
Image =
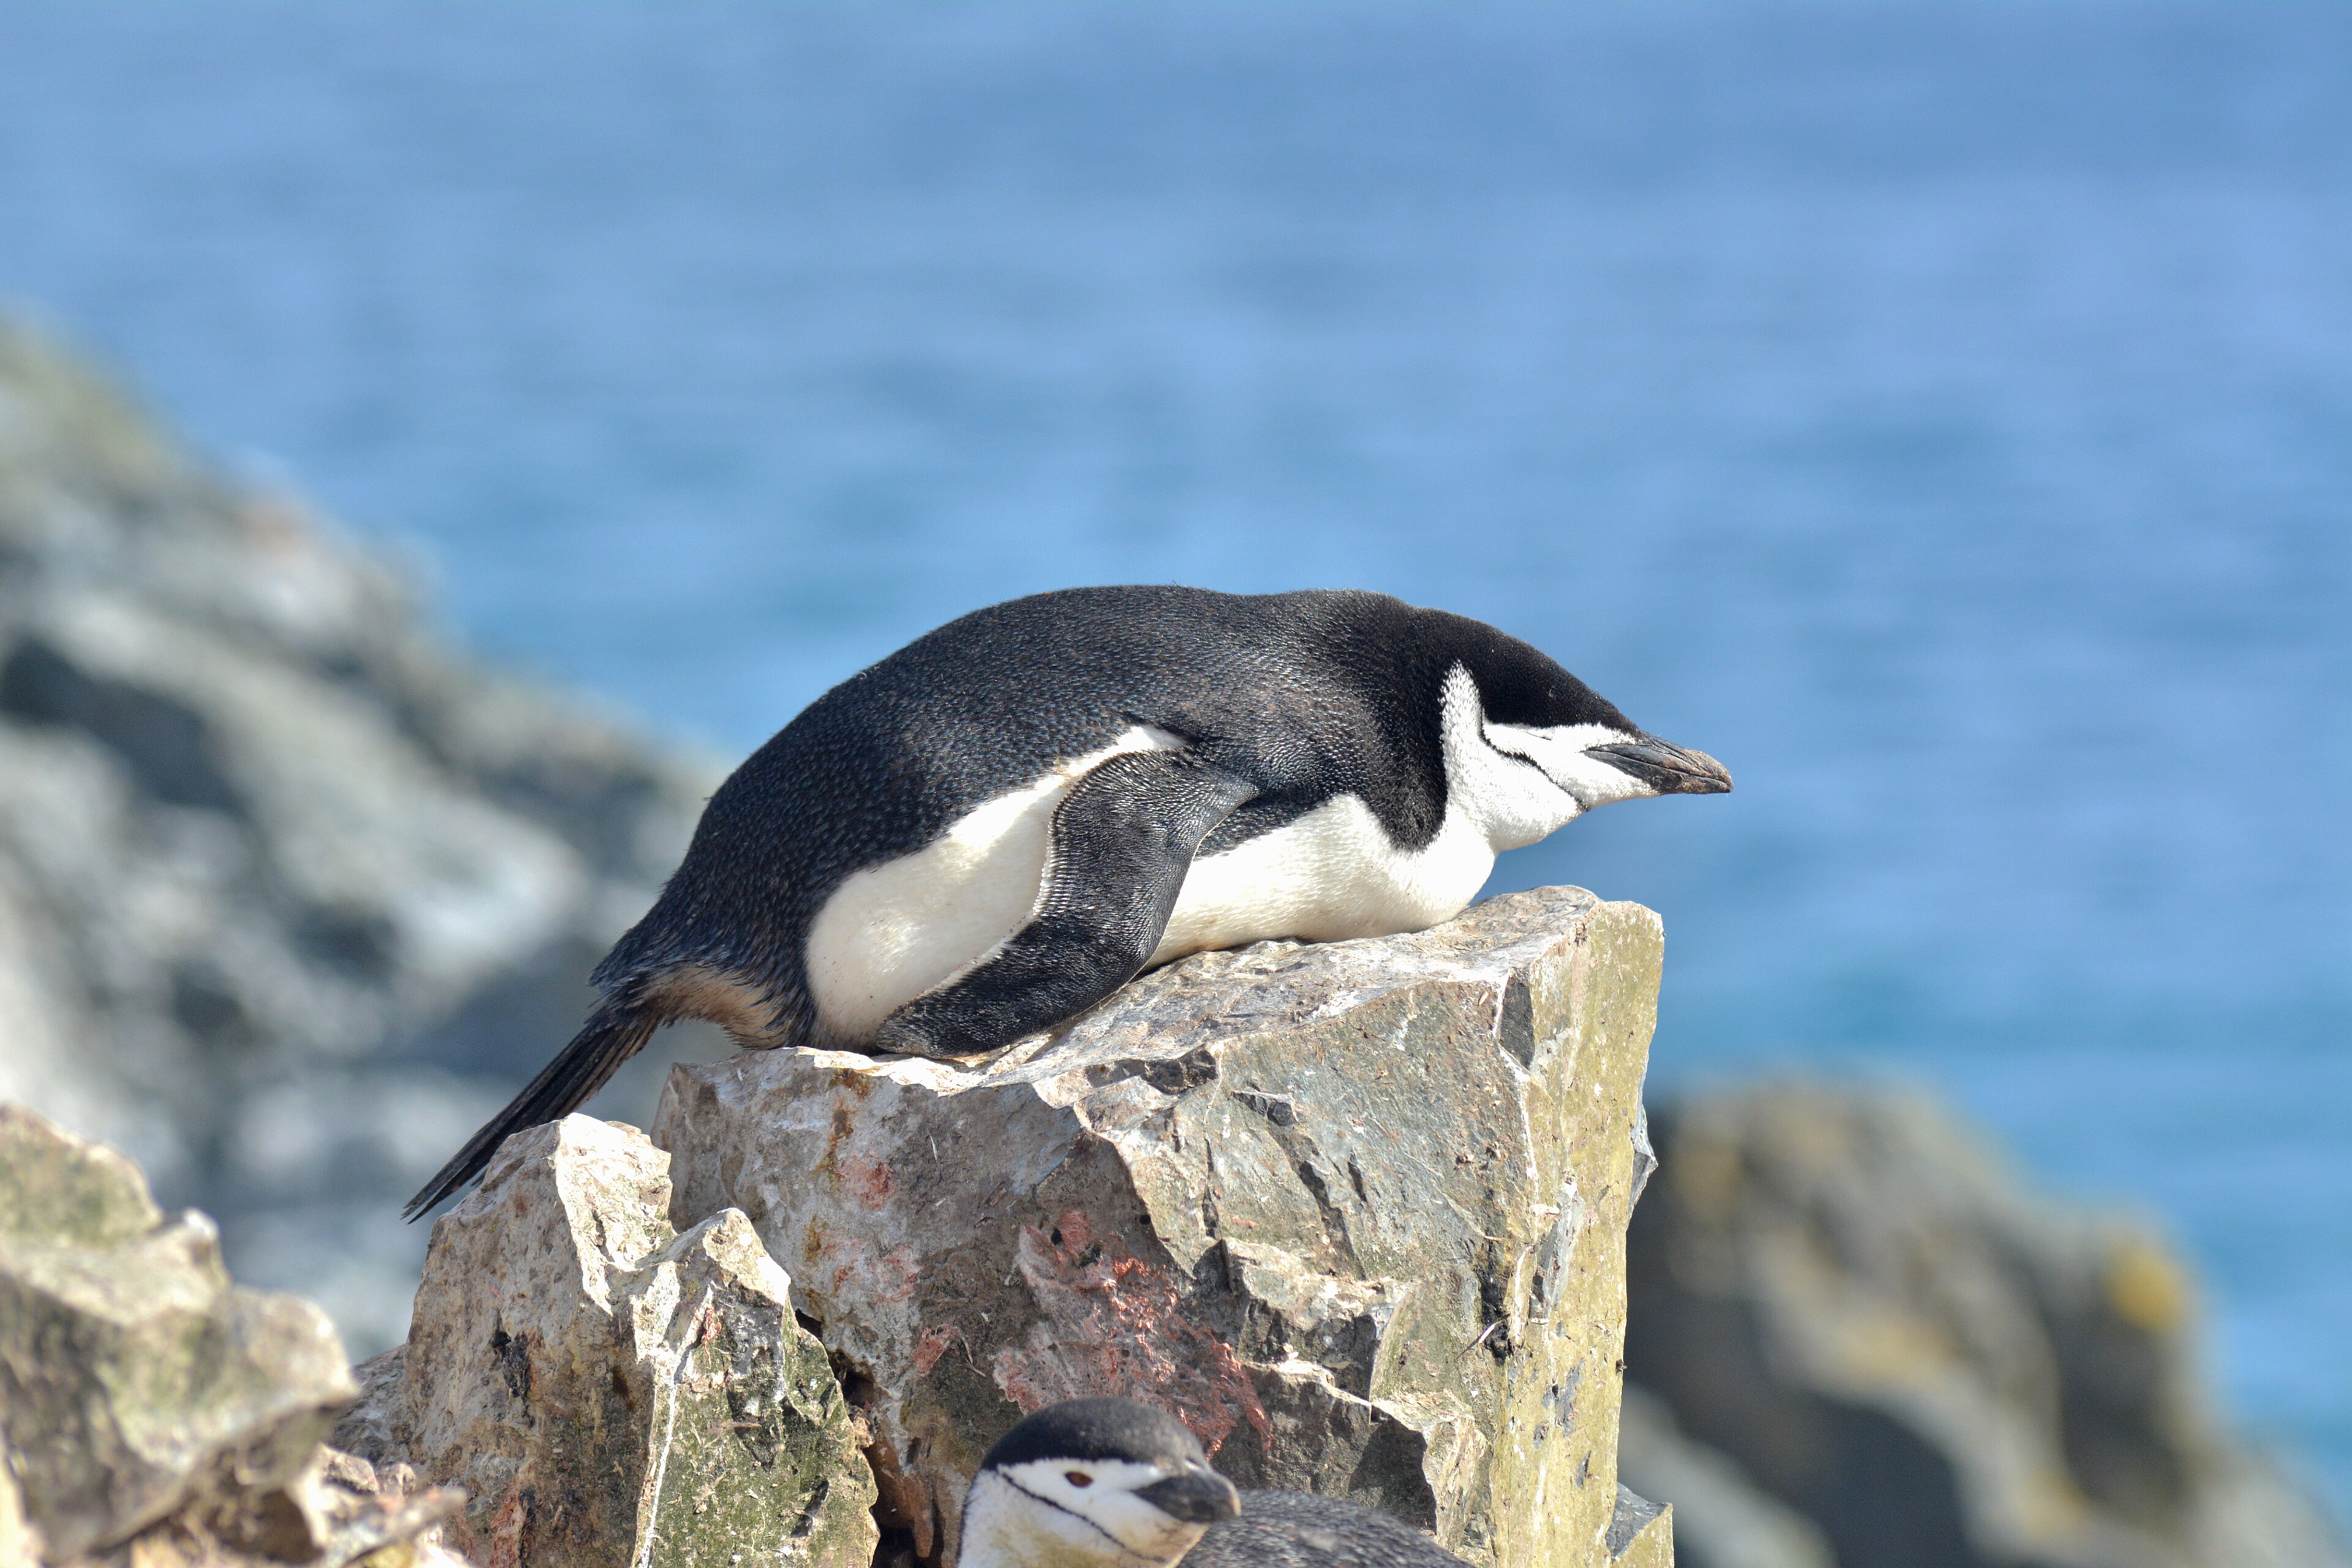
292,895
1641,1533
135,1381
1354,1211
610,1391
1846,1295
154,1412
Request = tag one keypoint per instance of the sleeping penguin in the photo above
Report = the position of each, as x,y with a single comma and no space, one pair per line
1002,823
1115,1483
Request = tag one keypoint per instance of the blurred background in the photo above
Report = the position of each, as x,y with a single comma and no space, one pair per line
1941,414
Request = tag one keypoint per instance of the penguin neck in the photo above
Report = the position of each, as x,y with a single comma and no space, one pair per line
1507,802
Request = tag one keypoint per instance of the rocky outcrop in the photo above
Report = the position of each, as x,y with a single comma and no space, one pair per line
1353,1211
154,1412
1843,1295
608,1390
291,895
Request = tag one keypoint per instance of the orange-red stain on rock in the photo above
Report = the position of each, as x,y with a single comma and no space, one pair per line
831,1256
1115,1325
838,1257
842,1125
869,1180
932,1343
505,1528
861,1178
895,1275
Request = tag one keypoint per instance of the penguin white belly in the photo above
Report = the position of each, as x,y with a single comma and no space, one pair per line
1331,874
891,932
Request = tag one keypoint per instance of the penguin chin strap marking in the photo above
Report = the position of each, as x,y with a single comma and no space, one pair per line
1493,788
1116,1544
1562,756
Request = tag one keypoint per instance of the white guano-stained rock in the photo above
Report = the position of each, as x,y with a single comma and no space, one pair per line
610,1391
1354,1211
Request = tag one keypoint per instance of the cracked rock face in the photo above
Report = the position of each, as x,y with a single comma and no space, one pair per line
608,1390
136,1382
1353,1211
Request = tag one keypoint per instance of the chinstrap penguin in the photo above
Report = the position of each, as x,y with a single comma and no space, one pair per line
998,826
1115,1483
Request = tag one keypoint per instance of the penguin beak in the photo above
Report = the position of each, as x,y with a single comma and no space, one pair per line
1196,1497
1665,767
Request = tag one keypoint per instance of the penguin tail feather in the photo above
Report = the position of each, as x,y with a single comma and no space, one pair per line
614,1032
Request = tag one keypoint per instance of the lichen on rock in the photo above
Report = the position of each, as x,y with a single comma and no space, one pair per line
152,1413
610,1391
136,1381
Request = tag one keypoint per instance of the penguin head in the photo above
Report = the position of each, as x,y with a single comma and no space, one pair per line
1531,747
1093,1483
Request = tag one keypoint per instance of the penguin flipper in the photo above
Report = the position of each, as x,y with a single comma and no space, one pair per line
1122,841
613,1033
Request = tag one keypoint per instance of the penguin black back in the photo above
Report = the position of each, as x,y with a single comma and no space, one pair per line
996,827
1295,1530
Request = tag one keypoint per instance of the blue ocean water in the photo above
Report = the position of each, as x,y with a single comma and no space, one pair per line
1943,414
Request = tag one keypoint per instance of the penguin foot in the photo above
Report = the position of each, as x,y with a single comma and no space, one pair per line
908,1031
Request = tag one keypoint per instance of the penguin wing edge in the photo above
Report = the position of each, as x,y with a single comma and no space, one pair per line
1123,840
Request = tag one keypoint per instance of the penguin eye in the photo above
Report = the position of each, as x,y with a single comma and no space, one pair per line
1077,1478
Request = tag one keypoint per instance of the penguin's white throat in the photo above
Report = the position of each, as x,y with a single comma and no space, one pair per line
1517,784
1031,1517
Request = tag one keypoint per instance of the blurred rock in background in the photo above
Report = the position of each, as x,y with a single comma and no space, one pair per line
292,895
1845,1296
154,1414
1721,1519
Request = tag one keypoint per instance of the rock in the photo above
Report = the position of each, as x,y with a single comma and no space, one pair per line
369,1429
154,1413
1641,1533
136,1382
335,1510
291,895
1844,1294
1721,1519
58,1190
1352,1211
608,1390
20,1543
